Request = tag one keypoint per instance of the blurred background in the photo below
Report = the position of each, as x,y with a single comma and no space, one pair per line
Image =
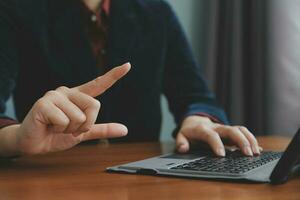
250,53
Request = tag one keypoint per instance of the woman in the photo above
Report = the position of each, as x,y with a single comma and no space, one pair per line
48,44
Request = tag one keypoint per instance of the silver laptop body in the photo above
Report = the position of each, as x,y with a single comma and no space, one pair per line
274,167
173,165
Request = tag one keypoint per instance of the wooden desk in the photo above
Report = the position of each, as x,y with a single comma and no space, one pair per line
79,174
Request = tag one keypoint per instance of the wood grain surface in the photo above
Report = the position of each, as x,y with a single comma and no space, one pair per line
79,173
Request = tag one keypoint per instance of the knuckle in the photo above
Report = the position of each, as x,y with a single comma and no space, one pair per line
96,81
80,118
201,127
248,134
96,104
52,93
64,121
227,128
234,131
41,104
238,136
99,78
242,128
63,89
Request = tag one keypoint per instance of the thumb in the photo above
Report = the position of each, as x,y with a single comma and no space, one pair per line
102,131
182,143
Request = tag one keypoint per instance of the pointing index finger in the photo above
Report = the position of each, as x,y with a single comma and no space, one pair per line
102,83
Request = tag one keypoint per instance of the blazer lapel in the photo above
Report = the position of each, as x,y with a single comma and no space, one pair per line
70,44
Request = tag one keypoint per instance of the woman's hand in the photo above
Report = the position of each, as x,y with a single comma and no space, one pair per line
65,117
203,129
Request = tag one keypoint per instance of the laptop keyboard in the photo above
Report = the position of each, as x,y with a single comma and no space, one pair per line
233,163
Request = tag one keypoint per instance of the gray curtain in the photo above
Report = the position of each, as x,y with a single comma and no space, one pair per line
252,57
284,37
236,63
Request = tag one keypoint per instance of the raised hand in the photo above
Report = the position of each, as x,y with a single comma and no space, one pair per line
65,117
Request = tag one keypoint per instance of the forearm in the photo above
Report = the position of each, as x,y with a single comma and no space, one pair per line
8,141
184,84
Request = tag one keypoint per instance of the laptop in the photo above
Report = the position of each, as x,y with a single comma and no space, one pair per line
269,167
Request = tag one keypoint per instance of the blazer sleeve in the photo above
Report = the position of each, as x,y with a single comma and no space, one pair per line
184,84
8,57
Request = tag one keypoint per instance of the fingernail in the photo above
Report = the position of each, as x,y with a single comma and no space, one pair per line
248,151
123,130
128,64
182,148
221,152
256,150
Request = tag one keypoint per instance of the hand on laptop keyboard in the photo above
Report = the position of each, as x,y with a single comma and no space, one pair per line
199,128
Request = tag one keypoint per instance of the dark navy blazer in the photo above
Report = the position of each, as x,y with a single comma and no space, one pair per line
43,46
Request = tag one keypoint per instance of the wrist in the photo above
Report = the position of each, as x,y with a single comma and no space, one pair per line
197,118
8,141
